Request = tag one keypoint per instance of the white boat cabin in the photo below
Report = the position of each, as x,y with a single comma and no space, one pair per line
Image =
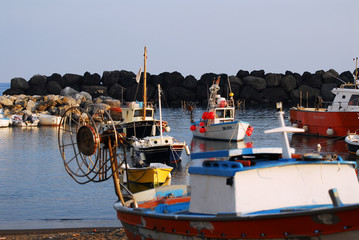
346,99
223,187
133,112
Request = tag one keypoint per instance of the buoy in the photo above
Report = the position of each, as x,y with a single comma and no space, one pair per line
357,152
231,94
187,150
204,115
249,131
193,128
202,124
330,131
249,144
305,127
202,130
167,129
295,125
210,115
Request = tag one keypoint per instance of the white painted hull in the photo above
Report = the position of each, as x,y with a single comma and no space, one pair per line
234,131
4,122
49,120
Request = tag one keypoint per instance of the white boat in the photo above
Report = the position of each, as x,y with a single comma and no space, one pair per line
352,142
24,121
4,121
48,120
159,149
218,121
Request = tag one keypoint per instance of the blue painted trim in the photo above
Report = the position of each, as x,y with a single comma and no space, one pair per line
217,168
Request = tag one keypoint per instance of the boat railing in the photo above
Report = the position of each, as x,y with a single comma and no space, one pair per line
349,85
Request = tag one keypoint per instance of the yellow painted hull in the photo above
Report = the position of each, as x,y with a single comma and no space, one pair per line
149,175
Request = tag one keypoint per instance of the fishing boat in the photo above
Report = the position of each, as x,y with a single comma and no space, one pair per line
25,121
335,120
159,149
352,142
4,121
257,193
137,118
218,122
48,120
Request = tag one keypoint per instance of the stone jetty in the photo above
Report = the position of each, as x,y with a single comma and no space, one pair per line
56,93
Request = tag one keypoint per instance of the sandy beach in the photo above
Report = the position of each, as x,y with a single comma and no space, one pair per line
65,234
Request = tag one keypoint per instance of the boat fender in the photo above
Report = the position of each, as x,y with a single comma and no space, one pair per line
305,127
330,131
202,130
188,152
295,125
167,129
193,128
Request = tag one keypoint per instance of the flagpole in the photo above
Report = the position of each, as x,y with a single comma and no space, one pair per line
144,86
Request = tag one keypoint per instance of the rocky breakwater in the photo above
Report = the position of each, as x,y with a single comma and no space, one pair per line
26,105
256,87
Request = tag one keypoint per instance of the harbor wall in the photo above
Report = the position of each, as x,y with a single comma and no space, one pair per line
255,88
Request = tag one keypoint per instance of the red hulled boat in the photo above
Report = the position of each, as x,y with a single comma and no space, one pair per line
341,116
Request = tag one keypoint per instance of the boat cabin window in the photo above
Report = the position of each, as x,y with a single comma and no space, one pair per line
139,113
354,100
220,113
224,113
228,113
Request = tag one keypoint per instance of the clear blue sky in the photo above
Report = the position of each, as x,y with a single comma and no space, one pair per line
192,37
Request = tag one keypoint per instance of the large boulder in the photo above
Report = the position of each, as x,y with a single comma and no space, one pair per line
91,79
6,101
95,90
69,92
326,91
251,94
135,92
288,83
190,82
73,80
19,83
37,85
127,78
173,79
330,76
347,76
258,73
53,87
56,78
242,74
116,91
257,83
312,80
313,93
180,93
273,79
275,94
109,78
202,92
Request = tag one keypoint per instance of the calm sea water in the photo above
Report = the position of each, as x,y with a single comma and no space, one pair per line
36,192
3,87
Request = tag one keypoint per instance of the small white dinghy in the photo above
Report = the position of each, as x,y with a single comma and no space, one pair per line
48,120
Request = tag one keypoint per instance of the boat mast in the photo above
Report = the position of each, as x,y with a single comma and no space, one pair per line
144,86
159,106
356,71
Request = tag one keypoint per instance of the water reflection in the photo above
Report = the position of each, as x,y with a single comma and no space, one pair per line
202,145
304,144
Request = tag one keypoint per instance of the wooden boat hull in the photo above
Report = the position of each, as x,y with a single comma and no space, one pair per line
234,131
331,223
318,122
